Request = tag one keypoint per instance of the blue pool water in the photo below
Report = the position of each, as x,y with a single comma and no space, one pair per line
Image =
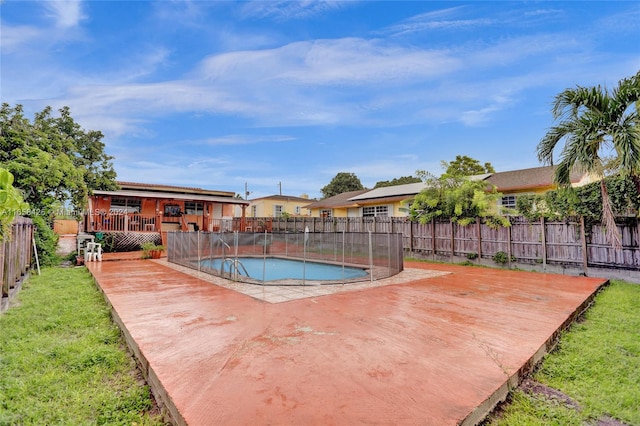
282,269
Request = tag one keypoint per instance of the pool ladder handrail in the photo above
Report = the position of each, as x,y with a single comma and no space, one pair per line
233,267
224,242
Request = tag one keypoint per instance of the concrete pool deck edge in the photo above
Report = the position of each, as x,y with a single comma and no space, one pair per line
515,380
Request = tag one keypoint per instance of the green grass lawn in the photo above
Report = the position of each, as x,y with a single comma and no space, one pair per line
63,361
596,364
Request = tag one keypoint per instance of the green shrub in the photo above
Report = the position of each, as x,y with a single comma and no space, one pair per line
501,258
108,242
46,242
149,247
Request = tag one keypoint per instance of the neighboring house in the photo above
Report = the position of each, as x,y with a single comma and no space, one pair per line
142,207
537,180
276,205
396,200
337,206
387,201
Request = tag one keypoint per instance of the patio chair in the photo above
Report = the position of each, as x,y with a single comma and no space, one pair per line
93,252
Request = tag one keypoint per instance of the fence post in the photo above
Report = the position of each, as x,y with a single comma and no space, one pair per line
433,238
4,290
544,243
509,245
479,232
585,255
453,239
411,236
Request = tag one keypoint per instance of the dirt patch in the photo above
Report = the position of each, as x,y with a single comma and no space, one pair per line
534,388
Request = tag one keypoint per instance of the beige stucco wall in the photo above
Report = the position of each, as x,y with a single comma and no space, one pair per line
265,208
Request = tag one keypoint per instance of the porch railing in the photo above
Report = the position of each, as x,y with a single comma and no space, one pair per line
123,222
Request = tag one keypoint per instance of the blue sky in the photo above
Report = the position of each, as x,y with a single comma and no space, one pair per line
288,94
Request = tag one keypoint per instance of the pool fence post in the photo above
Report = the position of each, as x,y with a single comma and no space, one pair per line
344,236
235,255
304,255
182,239
370,257
389,253
199,253
264,257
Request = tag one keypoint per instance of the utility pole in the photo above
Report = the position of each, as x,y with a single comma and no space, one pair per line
246,191
280,185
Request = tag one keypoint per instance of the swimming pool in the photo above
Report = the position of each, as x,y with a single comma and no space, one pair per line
275,269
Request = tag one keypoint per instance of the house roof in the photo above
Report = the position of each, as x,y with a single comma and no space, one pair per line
537,177
337,201
408,189
136,186
170,192
532,178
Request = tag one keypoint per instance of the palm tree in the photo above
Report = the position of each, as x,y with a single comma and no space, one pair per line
593,123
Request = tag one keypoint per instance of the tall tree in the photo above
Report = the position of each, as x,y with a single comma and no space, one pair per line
594,122
342,182
466,166
53,159
397,181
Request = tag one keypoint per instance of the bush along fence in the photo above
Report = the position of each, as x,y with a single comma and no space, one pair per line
571,244
16,251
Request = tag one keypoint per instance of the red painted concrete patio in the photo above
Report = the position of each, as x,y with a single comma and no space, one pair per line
435,351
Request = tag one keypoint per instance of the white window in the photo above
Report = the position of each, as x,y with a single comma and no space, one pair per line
277,210
122,205
508,202
254,211
328,213
375,211
191,207
297,210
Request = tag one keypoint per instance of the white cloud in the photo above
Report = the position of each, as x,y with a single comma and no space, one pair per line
283,10
65,13
247,139
443,19
628,21
328,82
340,61
12,37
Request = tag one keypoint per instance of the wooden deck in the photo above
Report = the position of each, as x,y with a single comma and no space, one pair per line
435,351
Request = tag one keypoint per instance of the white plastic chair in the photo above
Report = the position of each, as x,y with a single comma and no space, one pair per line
93,252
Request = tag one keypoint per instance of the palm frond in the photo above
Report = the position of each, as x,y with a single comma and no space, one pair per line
548,143
626,141
568,103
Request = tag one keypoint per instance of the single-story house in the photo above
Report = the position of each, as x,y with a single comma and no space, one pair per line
276,205
536,180
396,200
154,208
337,206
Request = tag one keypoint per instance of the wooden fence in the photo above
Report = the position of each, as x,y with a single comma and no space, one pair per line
65,226
570,243
15,257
